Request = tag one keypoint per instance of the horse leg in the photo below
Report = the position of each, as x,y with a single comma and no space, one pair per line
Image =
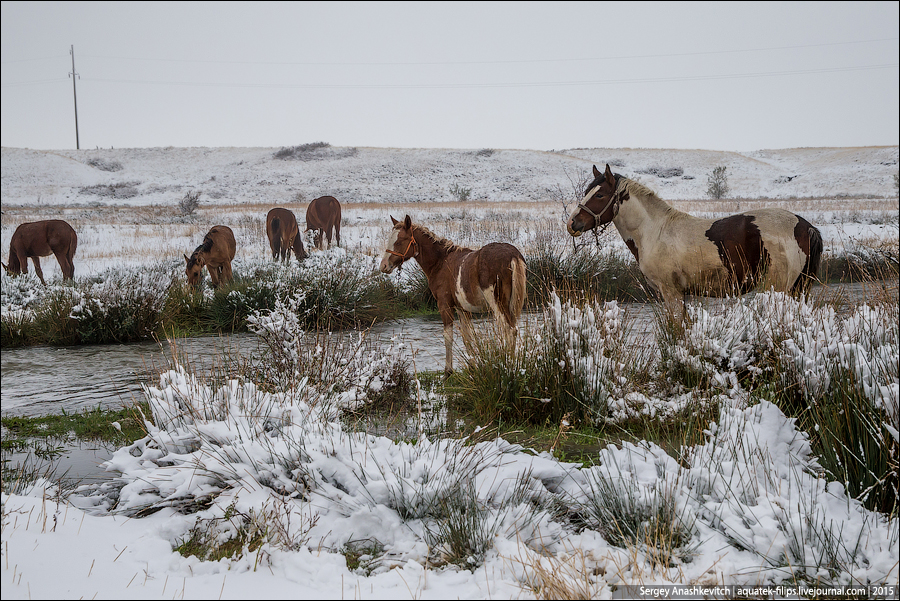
213,275
447,317
37,268
68,270
226,272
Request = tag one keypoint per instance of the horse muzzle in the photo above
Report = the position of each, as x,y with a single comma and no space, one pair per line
386,266
572,231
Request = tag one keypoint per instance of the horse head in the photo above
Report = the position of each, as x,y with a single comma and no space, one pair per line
194,268
401,245
600,204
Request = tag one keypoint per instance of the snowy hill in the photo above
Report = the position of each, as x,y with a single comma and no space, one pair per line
161,176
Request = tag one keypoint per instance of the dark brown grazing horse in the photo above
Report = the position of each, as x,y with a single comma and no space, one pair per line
491,278
681,254
322,216
42,239
216,254
284,235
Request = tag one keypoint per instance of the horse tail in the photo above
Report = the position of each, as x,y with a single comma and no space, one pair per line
70,253
69,271
813,260
519,289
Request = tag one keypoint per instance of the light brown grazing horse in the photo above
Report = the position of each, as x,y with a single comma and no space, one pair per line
216,254
284,235
681,254
42,239
491,278
323,215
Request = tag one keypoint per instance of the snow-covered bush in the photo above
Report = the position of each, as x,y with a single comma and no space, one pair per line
347,370
590,339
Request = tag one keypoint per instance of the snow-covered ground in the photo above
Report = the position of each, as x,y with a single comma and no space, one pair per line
124,202
388,175
752,500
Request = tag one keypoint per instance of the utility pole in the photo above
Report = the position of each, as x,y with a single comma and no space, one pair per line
73,75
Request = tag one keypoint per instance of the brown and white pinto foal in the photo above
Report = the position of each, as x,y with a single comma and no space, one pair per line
681,254
491,278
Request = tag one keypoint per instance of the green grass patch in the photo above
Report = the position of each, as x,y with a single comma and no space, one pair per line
90,424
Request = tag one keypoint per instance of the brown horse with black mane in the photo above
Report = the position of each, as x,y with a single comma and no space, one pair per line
323,215
283,233
491,278
216,254
681,254
41,239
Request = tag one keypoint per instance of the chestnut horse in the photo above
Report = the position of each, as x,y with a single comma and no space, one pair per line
216,254
283,233
322,216
681,254
41,239
491,278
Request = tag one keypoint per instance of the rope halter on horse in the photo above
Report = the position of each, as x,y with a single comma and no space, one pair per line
614,199
402,255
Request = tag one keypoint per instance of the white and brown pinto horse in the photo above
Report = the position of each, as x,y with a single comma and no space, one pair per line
42,239
216,254
681,254
491,278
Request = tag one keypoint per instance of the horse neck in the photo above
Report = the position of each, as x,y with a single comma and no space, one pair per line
643,212
432,252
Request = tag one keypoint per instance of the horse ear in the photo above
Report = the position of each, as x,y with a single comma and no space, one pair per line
186,260
394,221
407,223
609,175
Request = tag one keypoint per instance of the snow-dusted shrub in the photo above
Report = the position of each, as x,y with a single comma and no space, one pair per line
189,202
104,164
20,292
348,371
633,507
779,337
565,370
205,442
757,483
589,338
121,305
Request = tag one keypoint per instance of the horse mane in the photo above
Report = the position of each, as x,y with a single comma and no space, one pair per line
205,247
447,245
635,188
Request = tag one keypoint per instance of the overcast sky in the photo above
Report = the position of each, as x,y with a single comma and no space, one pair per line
543,75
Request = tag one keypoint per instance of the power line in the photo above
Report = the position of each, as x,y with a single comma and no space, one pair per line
34,81
503,85
493,62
